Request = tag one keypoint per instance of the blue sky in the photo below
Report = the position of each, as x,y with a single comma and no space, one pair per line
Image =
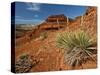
35,13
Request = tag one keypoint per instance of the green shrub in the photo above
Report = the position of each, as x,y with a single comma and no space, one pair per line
23,64
77,46
43,35
24,56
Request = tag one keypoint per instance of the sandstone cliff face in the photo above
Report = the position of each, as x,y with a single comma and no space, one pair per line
90,21
87,22
54,22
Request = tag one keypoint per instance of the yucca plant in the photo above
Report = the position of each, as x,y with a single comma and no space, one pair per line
77,47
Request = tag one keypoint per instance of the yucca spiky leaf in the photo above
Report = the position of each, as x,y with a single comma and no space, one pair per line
76,45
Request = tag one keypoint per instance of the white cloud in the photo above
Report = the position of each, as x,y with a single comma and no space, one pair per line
36,16
33,6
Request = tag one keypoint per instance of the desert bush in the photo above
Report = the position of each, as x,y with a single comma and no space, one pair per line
24,63
43,35
77,46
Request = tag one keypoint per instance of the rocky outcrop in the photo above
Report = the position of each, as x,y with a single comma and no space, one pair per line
86,22
54,22
90,21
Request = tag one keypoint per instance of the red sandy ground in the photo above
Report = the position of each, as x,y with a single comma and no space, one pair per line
51,58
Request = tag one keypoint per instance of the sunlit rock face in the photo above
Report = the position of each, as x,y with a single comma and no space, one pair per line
54,22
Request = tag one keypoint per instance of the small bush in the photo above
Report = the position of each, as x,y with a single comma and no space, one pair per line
25,63
43,35
24,56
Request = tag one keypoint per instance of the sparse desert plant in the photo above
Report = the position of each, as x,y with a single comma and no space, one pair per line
43,35
25,63
78,47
